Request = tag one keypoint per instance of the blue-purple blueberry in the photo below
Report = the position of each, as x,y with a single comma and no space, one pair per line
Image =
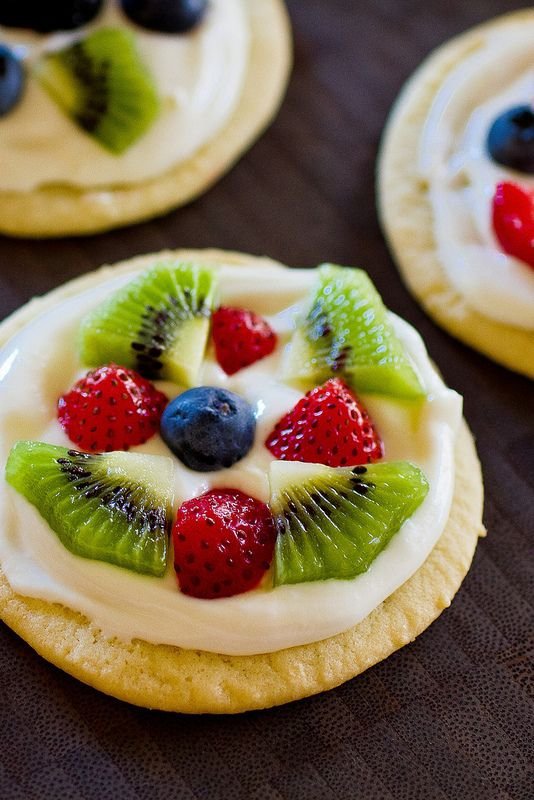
208,428
12,80
166,16
510,139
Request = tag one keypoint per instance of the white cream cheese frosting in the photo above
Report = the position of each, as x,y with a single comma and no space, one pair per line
462,177
40,363
199,77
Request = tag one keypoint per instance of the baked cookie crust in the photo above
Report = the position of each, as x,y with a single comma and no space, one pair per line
67,211
406,213
191,681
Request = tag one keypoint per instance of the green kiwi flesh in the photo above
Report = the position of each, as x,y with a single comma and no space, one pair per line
114,507
101,83
333,522
347,333
158,324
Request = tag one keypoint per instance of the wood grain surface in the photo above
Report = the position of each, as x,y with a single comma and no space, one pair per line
451,716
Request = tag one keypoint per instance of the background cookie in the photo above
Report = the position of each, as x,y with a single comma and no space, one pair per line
406,213
191,681
65,211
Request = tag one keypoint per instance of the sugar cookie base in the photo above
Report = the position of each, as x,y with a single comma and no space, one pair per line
65,211
191,681
406,213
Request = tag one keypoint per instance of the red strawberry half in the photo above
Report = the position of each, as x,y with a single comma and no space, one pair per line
328,426
240,337
223,543
111,408
513,221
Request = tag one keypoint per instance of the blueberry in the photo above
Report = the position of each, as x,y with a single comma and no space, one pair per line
511,139
43,16
12,80
166,16
208,428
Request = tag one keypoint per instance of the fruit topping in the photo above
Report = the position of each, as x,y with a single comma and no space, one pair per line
111,408
158,324
114,507
166,16
347,333
241,338
54,15
510,139
208,428
223,543
332,523
12,80
102,84
513,221
328,426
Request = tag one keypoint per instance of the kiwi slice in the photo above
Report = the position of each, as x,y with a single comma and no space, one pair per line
333,522
158,324
114,507
347,333
102,84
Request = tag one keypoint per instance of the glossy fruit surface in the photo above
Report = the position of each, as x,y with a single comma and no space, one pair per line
12,80
513,221
101,82
208,428
46,16
111,408
348,333
113,507
158,324
240,338
510,139
223,543
332,523
166,16
328,426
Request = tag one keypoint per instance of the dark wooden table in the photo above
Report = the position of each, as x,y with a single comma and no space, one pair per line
449,717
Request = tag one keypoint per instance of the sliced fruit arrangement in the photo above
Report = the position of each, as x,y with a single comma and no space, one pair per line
158,324
12,80
45,17
328,426
114,507
208,428
166,16
347,333
332,510
111,408
240,338
102,84
332,523
223,543
513,221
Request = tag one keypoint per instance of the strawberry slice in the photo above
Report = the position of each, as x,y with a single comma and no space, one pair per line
513,221
223,543
328,426
241,338
111,408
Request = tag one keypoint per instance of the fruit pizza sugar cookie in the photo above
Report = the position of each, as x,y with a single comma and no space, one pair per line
456,188
114,111
228,485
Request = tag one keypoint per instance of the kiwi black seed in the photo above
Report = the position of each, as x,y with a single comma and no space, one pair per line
333,522
158,324
114,507
347,333
102,84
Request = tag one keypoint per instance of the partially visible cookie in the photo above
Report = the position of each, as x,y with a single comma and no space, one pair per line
193,681
407,213
62,209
